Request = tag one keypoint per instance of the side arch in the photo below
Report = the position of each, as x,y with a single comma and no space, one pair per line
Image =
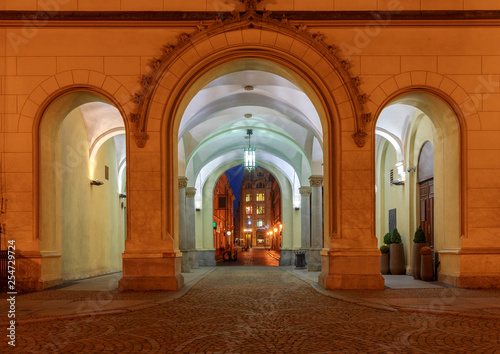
49,171
449,115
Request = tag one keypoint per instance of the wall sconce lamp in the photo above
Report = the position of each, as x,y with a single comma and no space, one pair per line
198,209
297,208
123,195
96,182
411,169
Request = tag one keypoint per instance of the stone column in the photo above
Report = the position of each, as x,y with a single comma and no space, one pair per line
316,223
190,228
305,220
182,223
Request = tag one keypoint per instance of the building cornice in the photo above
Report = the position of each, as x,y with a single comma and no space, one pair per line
189,19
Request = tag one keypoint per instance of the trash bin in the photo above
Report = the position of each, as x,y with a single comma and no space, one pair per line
300,260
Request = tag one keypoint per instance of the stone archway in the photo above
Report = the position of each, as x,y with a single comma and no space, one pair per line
152,259
72,217
435,118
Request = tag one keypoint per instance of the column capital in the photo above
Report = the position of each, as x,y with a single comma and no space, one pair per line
305,191
190,192
183,182
316,181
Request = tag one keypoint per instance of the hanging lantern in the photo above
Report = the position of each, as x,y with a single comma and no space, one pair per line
249,153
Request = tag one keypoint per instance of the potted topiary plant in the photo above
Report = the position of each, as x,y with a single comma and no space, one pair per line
387,238
418,243
426,271
384,259
397,254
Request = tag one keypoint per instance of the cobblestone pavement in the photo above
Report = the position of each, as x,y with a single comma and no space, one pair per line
261,310
252,257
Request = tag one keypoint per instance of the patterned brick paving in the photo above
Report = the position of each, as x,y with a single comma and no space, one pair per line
261,310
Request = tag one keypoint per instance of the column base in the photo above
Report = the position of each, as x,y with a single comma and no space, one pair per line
478,282
158,271
351,269
314,263
206,258
193,260
287,257
185,268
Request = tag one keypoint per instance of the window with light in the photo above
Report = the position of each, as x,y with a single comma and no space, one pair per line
248,210
260,209
248,198
260,223
260,197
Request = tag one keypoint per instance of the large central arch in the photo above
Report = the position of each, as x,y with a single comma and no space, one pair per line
296,55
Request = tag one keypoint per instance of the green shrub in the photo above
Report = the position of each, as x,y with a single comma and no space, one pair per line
384,249
425,251
396,237
419,235
387,238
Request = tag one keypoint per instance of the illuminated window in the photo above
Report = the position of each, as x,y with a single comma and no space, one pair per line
260,223
260,197
260,209
249,210
248,198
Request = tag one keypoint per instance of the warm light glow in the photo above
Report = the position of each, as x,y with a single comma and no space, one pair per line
281,226
401,171
275,229
249,158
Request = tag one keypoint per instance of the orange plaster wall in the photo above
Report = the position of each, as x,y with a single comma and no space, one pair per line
221,5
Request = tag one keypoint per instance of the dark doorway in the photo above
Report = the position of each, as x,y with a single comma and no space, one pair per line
426,187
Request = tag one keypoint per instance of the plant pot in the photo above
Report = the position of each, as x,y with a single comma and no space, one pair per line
426,271
397,259
415,261
384,263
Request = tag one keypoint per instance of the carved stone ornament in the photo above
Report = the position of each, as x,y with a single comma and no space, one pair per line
190,192
183,182
359,138
141,138
250,5
251,18
316,181
367,118
305,191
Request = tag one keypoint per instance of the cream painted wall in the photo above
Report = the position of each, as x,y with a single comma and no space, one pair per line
87,225
403,198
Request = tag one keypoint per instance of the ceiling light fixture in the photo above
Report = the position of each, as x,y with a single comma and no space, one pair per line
249,152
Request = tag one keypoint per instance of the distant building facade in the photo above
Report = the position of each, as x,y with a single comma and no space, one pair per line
223,215
259,210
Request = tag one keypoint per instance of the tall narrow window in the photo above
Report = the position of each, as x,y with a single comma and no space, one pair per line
260,209
248,210
260,197
248,198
